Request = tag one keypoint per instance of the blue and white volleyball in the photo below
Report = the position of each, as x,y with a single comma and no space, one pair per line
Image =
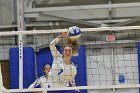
74,32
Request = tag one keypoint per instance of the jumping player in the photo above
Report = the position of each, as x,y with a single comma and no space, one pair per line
63,70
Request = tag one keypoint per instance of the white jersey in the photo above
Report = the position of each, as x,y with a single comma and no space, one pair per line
42,81
62,74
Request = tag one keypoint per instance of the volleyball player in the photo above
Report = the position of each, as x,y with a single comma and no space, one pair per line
43,80
63,70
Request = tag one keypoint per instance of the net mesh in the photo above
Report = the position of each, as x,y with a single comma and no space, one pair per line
105,63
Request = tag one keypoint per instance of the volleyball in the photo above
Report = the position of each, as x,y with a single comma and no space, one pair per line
74,32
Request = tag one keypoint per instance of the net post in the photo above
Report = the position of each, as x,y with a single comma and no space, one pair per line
20,61
21,27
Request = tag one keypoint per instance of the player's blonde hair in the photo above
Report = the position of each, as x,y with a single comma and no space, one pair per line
73,44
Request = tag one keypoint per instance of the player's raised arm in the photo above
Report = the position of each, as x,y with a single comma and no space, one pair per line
54,51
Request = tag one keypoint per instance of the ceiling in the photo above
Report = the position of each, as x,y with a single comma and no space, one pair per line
90,13
86,14
54,3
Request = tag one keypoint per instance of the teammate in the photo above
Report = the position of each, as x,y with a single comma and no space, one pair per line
63,70
43,80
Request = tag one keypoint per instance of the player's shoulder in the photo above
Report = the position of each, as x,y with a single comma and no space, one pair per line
42,77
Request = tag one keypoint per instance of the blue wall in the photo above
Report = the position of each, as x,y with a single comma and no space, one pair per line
43,56
80,61
28,67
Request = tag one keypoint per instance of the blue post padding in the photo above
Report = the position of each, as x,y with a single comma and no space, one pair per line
138,50
28,67
44,56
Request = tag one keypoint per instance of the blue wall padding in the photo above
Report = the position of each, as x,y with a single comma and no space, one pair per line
138,49
80,61
44,56
28,67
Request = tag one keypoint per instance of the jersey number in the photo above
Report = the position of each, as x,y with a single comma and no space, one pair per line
61,70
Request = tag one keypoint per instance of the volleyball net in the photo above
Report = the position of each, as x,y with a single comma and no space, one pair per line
108,59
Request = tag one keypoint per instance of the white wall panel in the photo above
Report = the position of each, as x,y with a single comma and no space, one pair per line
105,66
